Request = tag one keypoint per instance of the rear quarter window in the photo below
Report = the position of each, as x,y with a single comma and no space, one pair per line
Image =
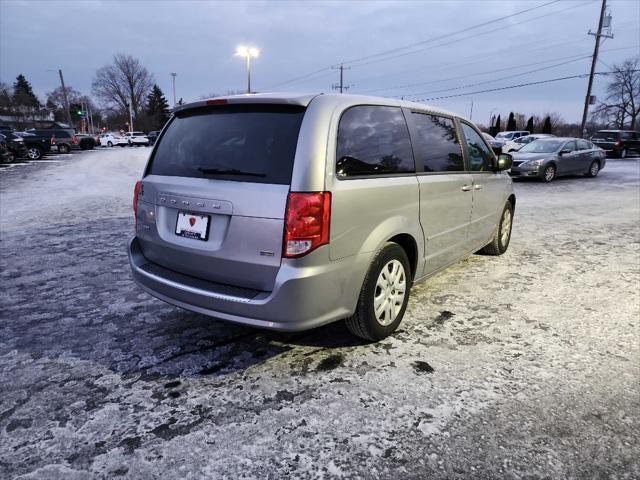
257,142
373,140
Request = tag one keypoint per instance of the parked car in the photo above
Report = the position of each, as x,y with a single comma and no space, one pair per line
64,140
548,158
15,145
136,138
6,156
86,141
37,145
288,212
518,143
504,137
495,145
618,143
111,139
153,136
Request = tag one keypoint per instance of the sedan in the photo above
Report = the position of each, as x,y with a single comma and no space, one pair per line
548,158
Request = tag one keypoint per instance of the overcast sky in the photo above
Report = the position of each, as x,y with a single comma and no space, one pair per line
197,40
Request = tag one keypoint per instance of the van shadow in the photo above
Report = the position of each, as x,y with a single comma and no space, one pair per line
185,344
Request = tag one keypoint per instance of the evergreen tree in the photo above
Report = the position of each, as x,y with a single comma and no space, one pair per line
23,93
530,125
511,123
546,127
157,108
498,126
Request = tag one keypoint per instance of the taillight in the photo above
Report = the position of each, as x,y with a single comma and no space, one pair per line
306,224
74,140
136,194
618,143
53,140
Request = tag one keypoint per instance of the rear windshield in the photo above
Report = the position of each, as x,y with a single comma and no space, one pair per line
613,136
248,143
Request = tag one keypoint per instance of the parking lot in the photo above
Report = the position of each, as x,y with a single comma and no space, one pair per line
520,366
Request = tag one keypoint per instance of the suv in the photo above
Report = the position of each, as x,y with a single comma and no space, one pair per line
137,139
288,212
511,135
63,140
14,144
617,142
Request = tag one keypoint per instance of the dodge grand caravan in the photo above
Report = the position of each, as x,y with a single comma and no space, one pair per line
291,211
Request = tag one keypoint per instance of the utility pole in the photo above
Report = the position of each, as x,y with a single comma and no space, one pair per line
471,112
594,59
341,86
64,97
173,77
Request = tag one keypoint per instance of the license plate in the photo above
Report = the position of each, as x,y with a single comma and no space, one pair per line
193,225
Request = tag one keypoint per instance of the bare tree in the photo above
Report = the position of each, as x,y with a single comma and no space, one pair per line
621,106
123,82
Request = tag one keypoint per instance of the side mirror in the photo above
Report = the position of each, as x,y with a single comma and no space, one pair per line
504,162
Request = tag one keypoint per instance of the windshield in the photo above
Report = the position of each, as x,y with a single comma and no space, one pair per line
542,146
504,135
248,143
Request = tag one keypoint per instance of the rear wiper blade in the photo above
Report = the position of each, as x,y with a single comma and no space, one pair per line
231,171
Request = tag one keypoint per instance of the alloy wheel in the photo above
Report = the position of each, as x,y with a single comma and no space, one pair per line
549,173
506,227
389,293
593,171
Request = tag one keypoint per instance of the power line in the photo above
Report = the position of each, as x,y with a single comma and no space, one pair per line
440,37
321,70
476,35
508,87
574,58
496,79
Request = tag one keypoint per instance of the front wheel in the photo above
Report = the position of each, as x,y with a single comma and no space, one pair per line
502,235
34,153
593,169
549,173
109,144
384,295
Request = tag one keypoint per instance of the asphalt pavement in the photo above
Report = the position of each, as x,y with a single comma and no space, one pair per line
524,366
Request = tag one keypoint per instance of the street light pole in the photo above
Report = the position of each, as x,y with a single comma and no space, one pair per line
247,53
64,97
173,75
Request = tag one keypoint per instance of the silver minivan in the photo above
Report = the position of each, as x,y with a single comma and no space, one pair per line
292,211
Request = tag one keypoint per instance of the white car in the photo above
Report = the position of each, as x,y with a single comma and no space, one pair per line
518,143
136,138
507,136
112,139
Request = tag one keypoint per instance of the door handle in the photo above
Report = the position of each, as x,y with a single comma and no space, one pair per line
477,187
466,188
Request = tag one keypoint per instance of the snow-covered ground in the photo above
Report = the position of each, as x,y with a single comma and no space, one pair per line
521,366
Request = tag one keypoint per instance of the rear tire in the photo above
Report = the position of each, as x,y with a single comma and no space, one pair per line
549,174
64,149
109,144
384,295
502,236
623,153
593,169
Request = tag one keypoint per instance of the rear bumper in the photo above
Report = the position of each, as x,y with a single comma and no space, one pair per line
303,297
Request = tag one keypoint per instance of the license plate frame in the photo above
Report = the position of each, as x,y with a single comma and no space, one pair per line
195,230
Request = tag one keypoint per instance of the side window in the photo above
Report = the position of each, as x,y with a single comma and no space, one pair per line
480,156
571,146
626,136
373,140
438,143
584,145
